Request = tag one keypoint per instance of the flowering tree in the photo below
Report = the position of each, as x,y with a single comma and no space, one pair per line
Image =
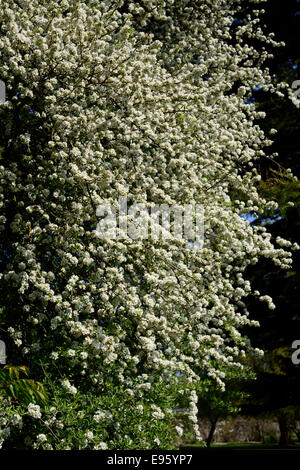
146,100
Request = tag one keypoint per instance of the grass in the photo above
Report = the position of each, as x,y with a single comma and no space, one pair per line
239,446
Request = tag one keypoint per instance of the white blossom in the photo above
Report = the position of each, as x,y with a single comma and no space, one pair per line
112,105
34,411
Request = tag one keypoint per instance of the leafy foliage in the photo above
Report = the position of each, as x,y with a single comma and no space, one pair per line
21,390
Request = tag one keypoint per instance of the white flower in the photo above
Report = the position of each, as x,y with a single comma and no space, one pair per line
101,446
179,430
158,415
34,411
89,435
140,408
54,355
16,420
99,416
71,353
70,388
124,115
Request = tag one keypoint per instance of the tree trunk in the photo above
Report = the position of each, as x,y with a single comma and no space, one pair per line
284,428
210,436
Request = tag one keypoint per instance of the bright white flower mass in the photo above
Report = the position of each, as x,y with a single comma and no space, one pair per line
148,100
34,411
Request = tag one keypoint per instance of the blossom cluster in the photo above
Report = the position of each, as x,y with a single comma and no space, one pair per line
108,99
